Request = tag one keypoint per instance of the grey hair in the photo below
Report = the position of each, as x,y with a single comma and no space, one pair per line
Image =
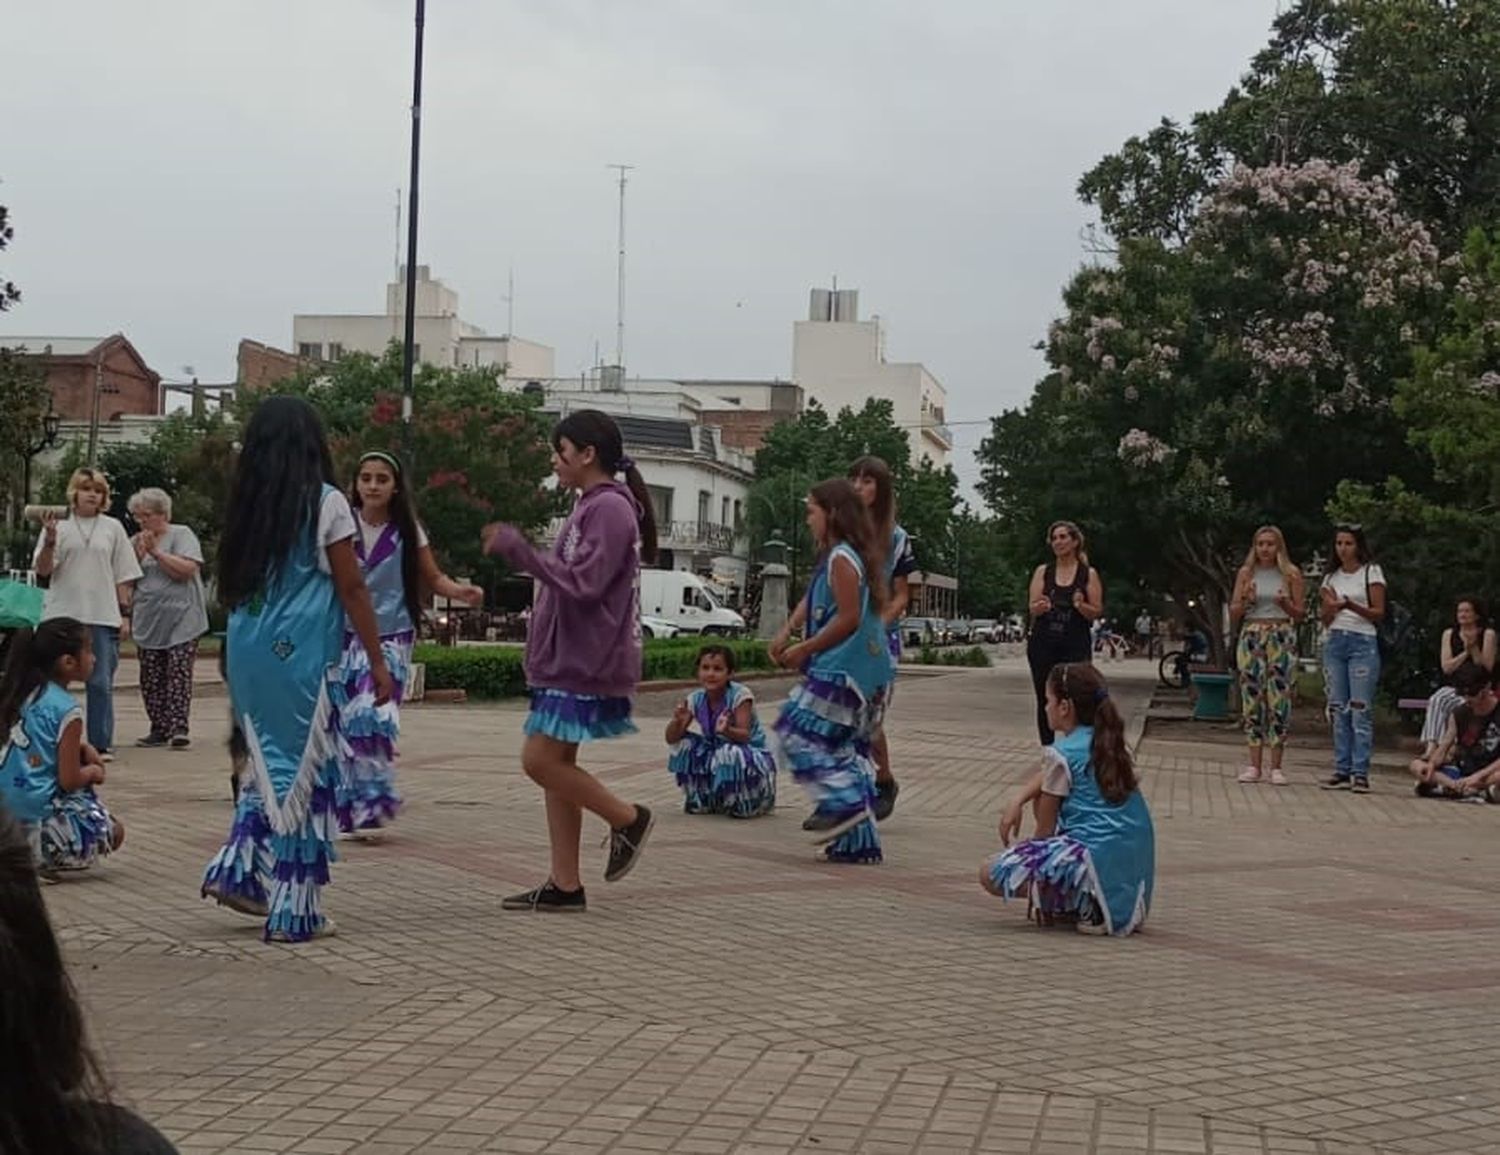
151,500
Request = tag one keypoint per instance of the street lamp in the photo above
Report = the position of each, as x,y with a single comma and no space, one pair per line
51,427
408,353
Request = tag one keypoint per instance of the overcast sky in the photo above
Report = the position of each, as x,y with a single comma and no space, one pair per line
192,172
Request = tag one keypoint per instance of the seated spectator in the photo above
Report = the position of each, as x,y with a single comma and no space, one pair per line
1466,760
1469,641
52,1097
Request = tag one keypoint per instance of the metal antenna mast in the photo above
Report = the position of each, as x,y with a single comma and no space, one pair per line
622,169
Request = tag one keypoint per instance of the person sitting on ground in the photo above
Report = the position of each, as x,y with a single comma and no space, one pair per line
53,1097
1468,641
1467,758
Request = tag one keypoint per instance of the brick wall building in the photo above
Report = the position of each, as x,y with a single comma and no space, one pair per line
82,369
262,366
744,429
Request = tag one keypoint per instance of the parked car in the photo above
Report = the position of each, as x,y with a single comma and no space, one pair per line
922,632
959,631
657,627
986,630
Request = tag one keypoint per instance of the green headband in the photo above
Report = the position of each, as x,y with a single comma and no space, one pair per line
381,455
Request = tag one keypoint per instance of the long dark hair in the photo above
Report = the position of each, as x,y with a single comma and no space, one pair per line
1481,616
883,509
30,660
590,427
849,521
1083,686
51,1077
274,497
403,512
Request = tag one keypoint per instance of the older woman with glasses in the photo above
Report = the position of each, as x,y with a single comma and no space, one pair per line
169,616
91,570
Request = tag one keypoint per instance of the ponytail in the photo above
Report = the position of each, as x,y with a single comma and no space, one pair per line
1083,686
30,659
642,495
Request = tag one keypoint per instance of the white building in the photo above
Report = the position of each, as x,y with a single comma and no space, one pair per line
700,486
441,337
840,361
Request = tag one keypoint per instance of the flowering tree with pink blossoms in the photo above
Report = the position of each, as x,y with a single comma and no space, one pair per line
1201,390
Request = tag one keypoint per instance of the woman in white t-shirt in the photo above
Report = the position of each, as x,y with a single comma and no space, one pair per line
1351,601
92,571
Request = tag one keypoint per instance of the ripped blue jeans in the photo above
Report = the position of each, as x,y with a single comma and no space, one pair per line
1351,670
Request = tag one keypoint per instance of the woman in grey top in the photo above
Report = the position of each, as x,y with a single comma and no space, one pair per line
1267,605
168,616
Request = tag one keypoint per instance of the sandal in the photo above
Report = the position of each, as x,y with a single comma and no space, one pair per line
1277,777
1249,774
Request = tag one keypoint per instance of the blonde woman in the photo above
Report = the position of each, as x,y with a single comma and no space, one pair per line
92,570
1266,606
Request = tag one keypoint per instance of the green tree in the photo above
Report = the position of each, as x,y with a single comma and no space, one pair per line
1206,388
481,454
9,294
1409,89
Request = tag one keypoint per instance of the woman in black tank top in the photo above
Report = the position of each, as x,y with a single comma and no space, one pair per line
1062,613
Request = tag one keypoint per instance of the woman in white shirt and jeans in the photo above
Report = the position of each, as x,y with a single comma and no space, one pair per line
1352,601
92,570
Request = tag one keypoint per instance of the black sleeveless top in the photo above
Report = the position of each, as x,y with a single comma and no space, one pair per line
1063,628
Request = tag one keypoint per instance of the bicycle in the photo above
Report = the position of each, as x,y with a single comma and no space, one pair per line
1174,670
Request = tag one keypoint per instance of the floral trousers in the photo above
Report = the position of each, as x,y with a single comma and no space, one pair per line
167,687
1265,657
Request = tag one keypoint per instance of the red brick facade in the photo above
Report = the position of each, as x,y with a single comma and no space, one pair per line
261,366
126,385
744,429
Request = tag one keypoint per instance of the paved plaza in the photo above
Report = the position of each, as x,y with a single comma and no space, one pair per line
1320,973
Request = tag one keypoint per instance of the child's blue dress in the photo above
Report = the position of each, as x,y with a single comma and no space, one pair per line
718,776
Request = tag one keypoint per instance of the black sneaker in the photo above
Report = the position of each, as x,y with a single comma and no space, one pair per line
811,821
151,741
827,825
1361,784
625,843
181,742
1427,790
885,798
1337,782
547,897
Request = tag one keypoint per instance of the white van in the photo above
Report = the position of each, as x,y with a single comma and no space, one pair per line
683,599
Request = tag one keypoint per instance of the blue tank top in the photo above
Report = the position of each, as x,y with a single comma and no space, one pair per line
28,760
861,660
384,579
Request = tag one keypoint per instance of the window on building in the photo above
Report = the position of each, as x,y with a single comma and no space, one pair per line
661,505
312,350
738,516
416,354
724,512
335,350
705,505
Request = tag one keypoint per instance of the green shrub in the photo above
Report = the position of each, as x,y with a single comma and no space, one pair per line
973,656
496,671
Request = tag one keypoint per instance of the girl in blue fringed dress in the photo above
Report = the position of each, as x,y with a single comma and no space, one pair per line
827,725
47,771
1091,861
726,766
288,574
397,563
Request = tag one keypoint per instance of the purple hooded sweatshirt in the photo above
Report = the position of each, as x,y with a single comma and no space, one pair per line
585,633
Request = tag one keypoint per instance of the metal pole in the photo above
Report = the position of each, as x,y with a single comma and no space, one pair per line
408,352
620,276
94,415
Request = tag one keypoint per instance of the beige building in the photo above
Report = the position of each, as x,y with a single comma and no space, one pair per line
441,337
840,361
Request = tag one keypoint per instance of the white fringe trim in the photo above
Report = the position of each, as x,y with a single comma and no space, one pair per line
286,815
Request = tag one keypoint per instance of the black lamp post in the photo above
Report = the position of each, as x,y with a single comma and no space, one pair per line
51,426
408,358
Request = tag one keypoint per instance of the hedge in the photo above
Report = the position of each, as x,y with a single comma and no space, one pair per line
973,656
496,671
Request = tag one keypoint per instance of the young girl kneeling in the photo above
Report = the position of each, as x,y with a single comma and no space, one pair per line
726,767
1092,858
47,771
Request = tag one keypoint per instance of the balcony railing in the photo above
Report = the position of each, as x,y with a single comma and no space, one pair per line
940,432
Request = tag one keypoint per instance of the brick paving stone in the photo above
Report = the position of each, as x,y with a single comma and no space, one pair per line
734,995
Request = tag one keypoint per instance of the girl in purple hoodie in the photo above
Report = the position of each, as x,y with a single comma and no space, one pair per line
583,650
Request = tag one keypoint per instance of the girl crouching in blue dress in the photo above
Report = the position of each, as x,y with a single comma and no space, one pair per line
288,575
830,719
47,771
726,766
1091,861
